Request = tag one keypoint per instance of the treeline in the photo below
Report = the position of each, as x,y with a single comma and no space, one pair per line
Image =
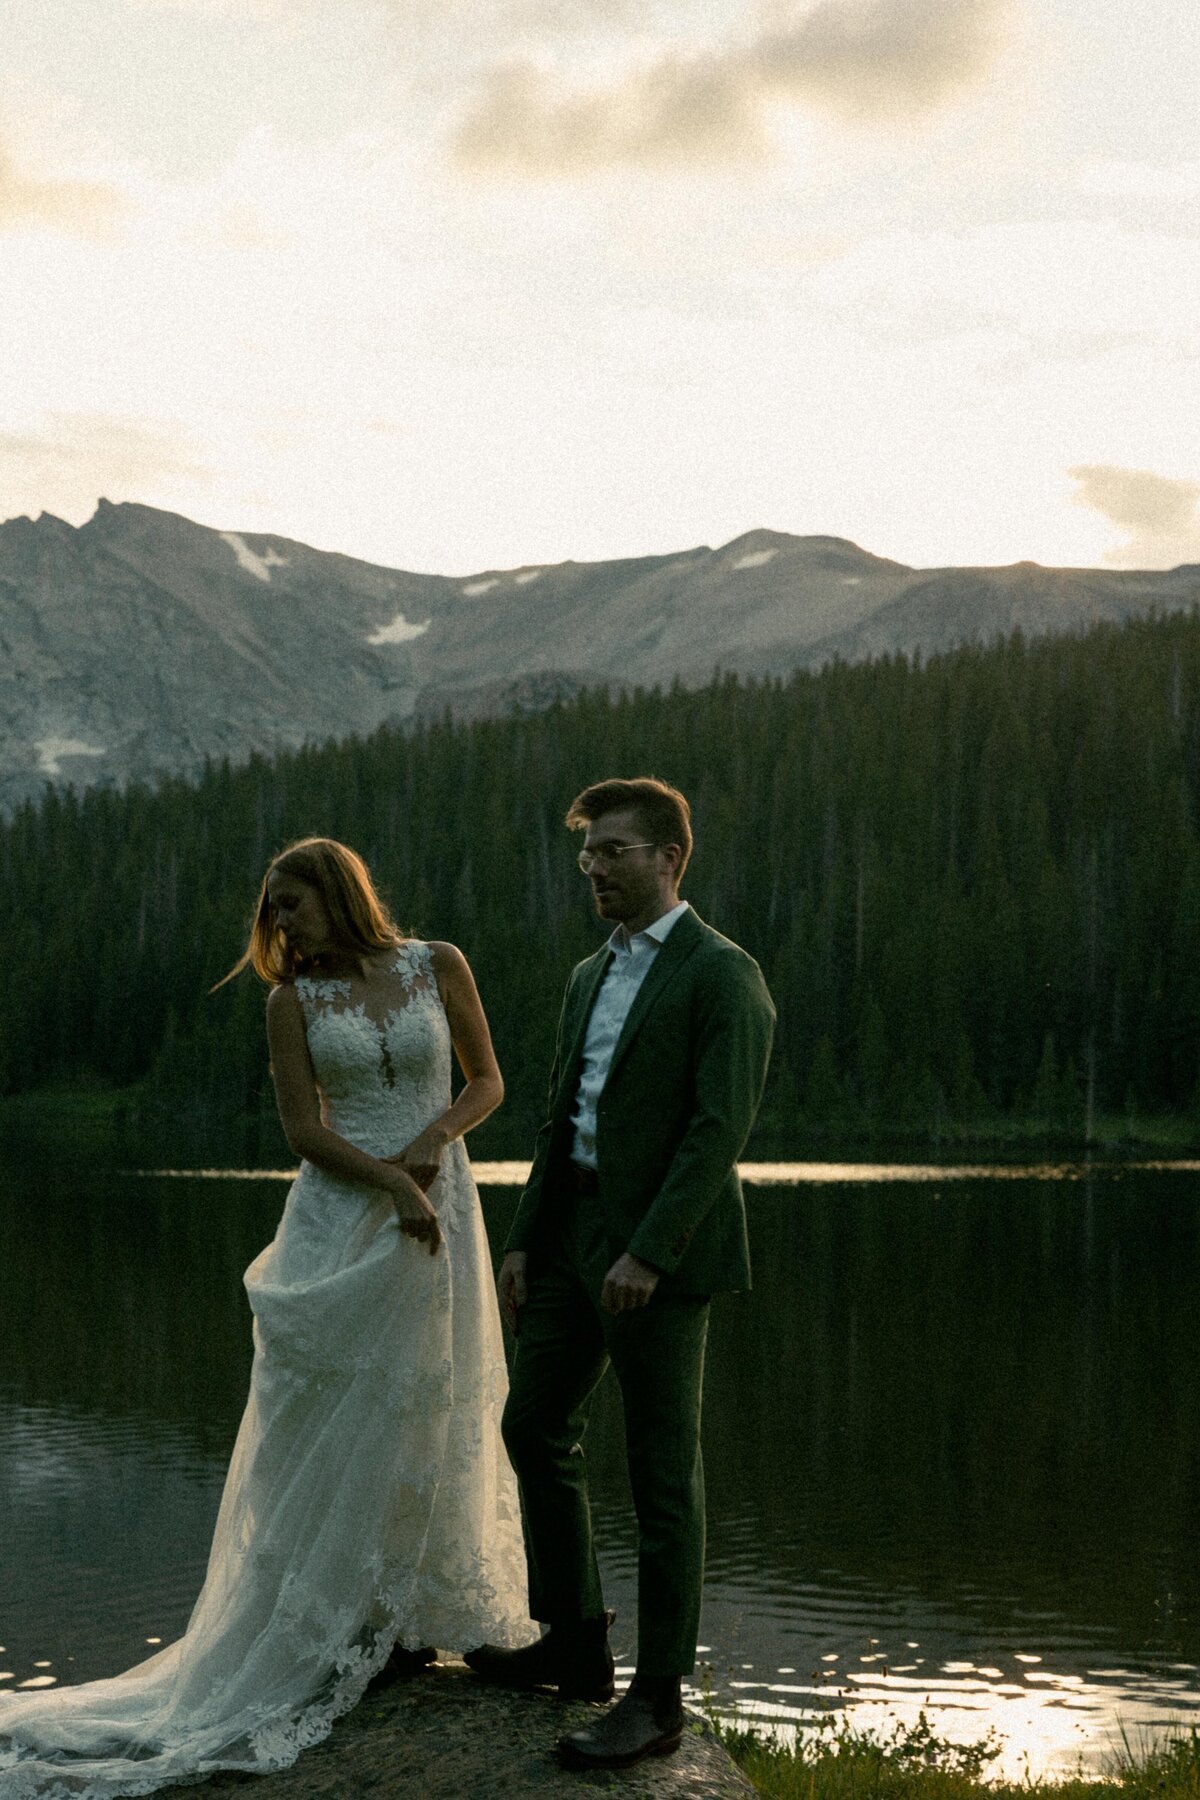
973,885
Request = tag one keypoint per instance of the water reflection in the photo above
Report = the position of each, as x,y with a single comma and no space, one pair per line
952,1439
855,1174
795,1174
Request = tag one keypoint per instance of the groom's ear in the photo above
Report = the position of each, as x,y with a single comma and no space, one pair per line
674,855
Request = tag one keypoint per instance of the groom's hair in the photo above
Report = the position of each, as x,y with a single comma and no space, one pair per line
662,811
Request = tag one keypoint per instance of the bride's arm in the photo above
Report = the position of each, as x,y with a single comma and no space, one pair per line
483,1089
307,1134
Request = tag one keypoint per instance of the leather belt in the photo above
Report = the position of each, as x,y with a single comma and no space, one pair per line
581,1180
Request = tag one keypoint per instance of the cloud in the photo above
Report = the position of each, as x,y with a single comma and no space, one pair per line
1160,515
872,62
62,465
876,61
679,112
88,209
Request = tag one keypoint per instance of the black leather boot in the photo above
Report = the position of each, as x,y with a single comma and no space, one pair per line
646,1721
572,1657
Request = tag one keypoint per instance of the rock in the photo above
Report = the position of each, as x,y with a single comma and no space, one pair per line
445,1736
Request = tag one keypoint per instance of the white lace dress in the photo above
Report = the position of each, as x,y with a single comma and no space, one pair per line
369,1499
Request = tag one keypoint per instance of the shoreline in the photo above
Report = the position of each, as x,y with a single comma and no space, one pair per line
915,1764
96,1115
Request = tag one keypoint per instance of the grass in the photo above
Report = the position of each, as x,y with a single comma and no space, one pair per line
835,1762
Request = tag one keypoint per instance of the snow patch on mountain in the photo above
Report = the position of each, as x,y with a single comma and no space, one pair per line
51,750
473,589
250,560
754,559
400,631
525,576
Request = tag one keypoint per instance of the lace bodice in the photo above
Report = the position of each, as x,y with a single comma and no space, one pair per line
380,1050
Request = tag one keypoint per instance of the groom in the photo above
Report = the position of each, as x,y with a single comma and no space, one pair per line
631,1219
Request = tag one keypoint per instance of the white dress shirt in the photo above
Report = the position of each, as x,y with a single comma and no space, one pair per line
628,969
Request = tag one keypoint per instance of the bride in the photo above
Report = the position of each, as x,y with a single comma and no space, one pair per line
369,1510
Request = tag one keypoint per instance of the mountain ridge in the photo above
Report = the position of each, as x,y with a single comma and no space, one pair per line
142,643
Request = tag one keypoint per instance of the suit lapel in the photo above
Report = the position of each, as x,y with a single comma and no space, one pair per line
683,939
585,998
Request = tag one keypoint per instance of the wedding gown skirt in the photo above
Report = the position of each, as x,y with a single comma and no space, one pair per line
369,1500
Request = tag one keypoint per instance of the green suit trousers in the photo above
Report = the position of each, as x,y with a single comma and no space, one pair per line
564,1346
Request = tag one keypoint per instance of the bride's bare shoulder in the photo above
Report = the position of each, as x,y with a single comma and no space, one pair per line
448,959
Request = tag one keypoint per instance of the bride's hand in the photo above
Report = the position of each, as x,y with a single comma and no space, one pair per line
422,1158
414,1215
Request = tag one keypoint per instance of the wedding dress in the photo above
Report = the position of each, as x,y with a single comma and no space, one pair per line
369,1500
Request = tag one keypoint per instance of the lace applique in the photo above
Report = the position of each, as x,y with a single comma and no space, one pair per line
414,965
411,968
324,987
377,1008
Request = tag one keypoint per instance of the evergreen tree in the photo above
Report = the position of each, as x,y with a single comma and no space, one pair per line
973,885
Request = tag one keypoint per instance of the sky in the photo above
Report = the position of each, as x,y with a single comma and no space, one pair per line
455,285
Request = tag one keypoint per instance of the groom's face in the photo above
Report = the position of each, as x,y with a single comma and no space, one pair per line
628,888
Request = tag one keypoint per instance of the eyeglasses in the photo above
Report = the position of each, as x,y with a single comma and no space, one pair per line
608,854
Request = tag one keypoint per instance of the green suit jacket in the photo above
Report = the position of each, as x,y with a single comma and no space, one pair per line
674,1114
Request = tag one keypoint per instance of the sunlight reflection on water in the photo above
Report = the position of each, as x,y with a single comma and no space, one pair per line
791,1174
1045,1721
1067,1727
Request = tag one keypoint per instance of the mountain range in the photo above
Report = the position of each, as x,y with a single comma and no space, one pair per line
141,643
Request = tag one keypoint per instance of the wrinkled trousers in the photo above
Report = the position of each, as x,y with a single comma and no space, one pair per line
564,1346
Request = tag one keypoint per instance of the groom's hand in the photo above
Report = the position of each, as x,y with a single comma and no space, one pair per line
510,1287
629,1283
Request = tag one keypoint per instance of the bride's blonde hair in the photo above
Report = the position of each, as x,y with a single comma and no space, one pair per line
361,922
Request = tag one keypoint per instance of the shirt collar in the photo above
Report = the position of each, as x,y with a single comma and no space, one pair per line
621,942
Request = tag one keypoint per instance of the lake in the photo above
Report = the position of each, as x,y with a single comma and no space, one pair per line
952,1439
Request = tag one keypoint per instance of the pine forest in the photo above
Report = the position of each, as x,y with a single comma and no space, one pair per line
973,886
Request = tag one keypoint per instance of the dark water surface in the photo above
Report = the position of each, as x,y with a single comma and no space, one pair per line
952,1440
